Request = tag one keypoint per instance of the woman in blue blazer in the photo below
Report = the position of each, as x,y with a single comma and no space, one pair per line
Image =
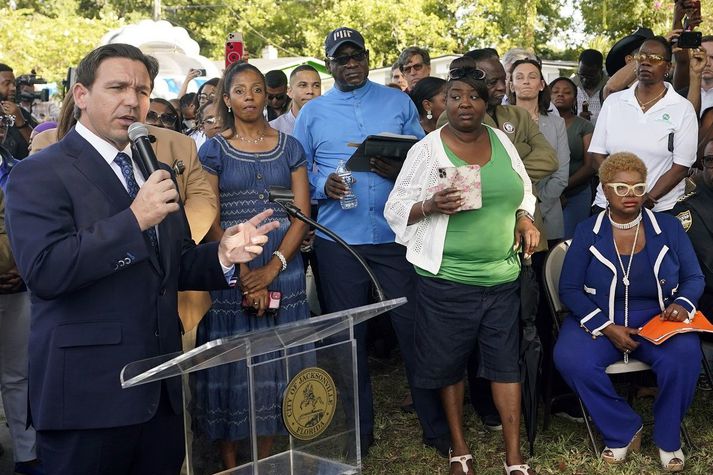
626,265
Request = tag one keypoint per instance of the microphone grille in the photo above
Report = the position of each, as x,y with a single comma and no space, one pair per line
136,130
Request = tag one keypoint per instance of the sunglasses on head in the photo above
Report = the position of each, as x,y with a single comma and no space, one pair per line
165,118
623,189
413,67
206,97
650,58
210,120
343,59
466,72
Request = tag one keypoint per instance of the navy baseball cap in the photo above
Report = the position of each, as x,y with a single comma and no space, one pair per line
338,37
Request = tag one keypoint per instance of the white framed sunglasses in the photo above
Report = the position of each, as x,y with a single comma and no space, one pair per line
623,189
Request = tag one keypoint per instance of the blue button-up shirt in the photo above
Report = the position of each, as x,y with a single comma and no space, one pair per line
325,126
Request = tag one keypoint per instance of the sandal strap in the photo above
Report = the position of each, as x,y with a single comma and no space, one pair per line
463,460
523,467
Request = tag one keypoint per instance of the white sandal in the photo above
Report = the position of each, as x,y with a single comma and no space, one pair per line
523,467
672,461
462,459
618,455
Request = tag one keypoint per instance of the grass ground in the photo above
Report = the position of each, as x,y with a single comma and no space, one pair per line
563,449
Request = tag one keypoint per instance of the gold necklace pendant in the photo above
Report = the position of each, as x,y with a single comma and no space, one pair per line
646,104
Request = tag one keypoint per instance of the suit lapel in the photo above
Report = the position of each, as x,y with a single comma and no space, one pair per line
98,172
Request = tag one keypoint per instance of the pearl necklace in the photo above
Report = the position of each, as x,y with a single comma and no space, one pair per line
625,278
257,140
625,226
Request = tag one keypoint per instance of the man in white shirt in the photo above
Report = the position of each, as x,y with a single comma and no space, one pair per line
305,85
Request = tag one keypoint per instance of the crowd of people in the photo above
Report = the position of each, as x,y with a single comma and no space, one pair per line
97,256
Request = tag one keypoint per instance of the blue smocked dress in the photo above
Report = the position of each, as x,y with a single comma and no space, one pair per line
220,395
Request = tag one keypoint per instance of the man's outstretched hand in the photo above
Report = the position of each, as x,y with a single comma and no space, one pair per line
243,242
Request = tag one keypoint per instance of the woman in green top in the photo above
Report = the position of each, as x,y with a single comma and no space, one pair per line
466,260
577,196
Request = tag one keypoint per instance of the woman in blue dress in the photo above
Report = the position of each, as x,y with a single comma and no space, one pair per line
243,162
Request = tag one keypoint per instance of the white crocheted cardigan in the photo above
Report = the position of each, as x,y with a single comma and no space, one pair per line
424,239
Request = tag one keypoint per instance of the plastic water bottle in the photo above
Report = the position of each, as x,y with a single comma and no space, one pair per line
349,200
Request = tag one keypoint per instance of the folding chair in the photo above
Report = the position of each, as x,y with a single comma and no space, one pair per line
551,277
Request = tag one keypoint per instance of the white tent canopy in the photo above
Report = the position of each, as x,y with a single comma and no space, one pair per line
174,49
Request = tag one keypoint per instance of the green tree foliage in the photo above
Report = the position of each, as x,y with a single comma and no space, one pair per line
55,34
48,44
617,18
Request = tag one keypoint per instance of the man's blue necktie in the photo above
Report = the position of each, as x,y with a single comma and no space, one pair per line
127,169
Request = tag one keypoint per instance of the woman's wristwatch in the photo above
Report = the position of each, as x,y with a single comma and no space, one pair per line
526,214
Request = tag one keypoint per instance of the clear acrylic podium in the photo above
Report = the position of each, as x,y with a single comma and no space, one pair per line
317,360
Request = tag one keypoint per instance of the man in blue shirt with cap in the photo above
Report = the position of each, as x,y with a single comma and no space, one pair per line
354,109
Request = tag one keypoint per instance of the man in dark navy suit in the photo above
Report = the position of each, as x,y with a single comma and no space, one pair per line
104,252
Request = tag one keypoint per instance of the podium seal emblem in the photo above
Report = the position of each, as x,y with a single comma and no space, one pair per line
309,403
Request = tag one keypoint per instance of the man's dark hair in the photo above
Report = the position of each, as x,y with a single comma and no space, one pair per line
592,57
396,65
187,99
481,54
663,42
5,68
426,89
413,51
223,88
88,66
706,38
300,68
275,78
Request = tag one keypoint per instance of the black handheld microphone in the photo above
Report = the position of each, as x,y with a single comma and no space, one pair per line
139,136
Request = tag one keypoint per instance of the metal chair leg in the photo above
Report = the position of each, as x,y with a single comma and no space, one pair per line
587,424
548,396
706,367
687,438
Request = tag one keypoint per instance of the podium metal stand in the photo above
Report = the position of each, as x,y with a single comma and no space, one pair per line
320,406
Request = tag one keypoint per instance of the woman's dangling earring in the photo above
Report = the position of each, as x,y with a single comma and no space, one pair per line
229,109
429,116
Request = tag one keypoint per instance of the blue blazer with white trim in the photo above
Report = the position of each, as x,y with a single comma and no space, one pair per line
591,270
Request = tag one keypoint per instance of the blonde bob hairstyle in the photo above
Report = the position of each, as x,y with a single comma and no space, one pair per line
621,162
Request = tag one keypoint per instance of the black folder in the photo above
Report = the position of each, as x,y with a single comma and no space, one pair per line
382,146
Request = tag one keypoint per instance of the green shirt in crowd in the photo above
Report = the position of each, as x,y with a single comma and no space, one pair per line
478,249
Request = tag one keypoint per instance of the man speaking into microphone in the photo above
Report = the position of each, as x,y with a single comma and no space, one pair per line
104,252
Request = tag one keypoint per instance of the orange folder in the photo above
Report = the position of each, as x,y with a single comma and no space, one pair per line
657,331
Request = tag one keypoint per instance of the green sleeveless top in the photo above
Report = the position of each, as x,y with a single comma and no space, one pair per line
478,249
